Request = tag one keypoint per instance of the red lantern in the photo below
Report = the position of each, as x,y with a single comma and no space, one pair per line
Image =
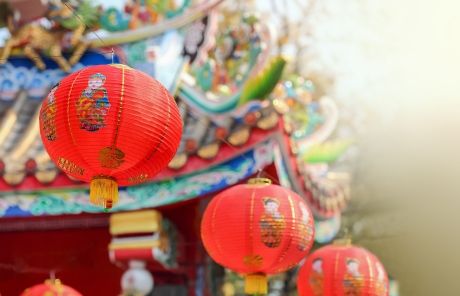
342,269
109,125
51,288
257,229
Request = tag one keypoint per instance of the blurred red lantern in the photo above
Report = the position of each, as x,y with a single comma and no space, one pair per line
257,229
342,269
51,288
110,125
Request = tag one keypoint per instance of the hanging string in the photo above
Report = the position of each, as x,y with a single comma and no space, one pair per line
83,22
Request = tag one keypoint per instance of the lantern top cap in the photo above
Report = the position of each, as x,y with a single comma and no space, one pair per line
342,242
121,66
259,181
53,282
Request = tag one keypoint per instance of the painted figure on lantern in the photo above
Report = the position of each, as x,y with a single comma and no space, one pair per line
353,279
48,114
272,223
317,277
381,287
93,105
304,230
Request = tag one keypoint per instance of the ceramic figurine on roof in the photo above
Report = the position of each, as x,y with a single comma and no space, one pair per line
68,27
138,13
33,38
216,82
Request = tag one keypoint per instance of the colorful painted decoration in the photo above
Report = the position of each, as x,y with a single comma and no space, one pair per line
394,287
137,14
257,229
326,230
51,288
260,86
110,125
342,269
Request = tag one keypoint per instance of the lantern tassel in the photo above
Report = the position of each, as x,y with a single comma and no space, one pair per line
103,191
255,284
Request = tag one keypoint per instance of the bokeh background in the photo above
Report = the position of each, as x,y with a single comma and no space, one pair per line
393,67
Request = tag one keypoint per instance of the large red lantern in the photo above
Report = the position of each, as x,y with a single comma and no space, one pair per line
342,269
51,288
109,125
257,229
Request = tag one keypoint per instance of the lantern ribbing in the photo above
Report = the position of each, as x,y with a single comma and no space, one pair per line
110,125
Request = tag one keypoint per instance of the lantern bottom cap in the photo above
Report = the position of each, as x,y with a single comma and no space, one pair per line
103,191
255,284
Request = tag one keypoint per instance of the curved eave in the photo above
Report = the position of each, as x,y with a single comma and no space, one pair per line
202,183
324,207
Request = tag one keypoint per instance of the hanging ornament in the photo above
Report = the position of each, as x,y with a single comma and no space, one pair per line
257,229
110,125
342,269
52,287
136,280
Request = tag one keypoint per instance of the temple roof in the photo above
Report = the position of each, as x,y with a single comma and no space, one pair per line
233,127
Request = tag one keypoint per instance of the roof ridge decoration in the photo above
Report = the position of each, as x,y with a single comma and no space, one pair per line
78,27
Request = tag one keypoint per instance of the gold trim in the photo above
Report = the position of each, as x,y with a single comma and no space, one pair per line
120,108
336,263
259,181
344,242
285,250
213,232
141,178
148,221
370,267
68,107
153,243
121,66
251,224
166,126
69,166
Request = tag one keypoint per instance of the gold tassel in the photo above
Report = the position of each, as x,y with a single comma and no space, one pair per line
103,191
255,284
